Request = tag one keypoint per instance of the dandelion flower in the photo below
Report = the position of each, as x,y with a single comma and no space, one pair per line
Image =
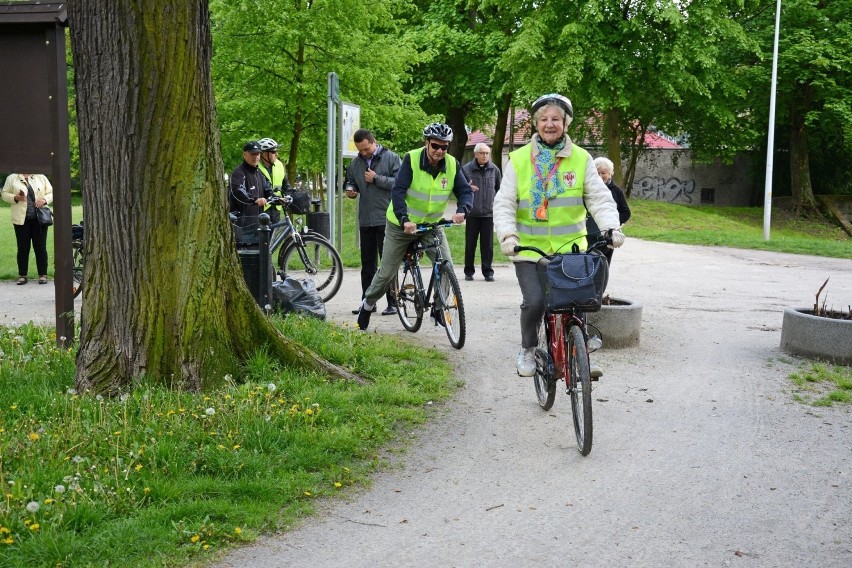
124,397
308,493
309,412
33,506
70,391
99,398
4,530
271,387
206,546
338,484
210,411
77,459
59,489
35,526
195,538
138,466
236,446
9,540
34,437
48,501
238,530
147,490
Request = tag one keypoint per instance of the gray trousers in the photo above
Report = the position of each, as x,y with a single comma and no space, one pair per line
532,304
396,241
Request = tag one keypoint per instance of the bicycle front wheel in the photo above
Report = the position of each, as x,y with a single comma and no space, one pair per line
77,252
581,388
408,304
316,260
451,306
544,380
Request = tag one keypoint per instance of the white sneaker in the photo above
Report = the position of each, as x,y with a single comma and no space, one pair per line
526,362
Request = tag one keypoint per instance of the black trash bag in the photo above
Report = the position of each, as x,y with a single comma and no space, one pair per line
298,296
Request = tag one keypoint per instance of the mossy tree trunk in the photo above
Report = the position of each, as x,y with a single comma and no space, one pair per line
804,202
164,295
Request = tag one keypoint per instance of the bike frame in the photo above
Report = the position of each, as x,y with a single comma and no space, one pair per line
556,326
411,263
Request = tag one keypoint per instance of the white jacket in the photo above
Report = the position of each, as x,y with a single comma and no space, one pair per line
15,184
596,195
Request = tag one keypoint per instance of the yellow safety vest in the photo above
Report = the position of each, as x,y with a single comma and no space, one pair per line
427,197
566,212
276,179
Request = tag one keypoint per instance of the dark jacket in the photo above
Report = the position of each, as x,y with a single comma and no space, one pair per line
247,185
374,196
621,205
487,178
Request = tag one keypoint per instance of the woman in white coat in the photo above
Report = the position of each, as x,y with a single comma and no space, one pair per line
26,193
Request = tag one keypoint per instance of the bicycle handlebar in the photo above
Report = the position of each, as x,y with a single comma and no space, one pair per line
597,245
424,227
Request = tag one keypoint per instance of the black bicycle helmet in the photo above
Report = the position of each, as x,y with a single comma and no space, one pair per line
554,99
438,131
267,144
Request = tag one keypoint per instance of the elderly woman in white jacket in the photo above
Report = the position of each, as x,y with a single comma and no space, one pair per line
26,193
547,187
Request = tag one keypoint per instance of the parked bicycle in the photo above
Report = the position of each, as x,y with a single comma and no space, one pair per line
302,253
78,258
446,305
574,284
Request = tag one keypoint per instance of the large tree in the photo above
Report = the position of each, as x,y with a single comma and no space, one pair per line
165,297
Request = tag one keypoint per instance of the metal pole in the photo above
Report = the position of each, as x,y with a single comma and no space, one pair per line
331,126
264,294
339,179
770,141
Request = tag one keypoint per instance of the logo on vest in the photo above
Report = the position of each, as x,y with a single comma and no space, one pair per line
570,178
444,183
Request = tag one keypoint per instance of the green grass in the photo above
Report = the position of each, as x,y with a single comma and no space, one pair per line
820,384
159,477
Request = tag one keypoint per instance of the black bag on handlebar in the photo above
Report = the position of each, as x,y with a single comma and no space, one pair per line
574,282
301,202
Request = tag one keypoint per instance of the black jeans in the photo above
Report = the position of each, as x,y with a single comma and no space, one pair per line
372,245
31,232
481,228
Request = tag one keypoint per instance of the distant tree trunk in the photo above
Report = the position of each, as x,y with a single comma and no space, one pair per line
804,202
504,104
613,143
164,297
637,142
455,118
298,116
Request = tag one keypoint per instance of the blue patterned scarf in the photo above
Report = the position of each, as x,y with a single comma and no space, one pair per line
545,162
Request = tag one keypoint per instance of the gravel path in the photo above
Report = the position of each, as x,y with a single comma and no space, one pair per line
701,456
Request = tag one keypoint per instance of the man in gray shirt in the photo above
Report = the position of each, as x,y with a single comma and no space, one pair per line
370,176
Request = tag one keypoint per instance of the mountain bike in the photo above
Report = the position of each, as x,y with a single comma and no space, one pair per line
301,252
412,300
574,284
78,258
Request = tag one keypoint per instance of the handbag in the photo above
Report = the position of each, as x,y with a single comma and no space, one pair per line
44,215
575,282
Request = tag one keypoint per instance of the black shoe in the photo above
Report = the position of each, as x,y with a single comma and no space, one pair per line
389,311
364,318
468,277
489,278
358,309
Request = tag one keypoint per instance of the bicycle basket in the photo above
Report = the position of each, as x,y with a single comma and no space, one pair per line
245,230
301,202
574,282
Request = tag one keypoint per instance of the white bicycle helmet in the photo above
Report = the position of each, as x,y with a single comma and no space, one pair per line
438,131
267,144
554,99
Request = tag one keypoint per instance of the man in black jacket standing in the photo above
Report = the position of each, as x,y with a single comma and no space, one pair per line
371,176
249,189
484,178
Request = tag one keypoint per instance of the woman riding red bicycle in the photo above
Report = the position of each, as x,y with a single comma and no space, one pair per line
547,187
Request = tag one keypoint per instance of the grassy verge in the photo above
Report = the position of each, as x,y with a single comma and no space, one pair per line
822,385
159,477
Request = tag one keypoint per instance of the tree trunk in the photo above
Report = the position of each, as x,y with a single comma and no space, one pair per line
804,202
165,297
613,143
455,118
505,104
298,116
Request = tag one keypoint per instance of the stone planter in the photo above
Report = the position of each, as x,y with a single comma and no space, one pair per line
816,337
619,323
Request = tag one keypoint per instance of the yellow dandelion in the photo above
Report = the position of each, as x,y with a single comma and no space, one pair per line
221,447
147,490
195,538
34,437
236,446
14,407
4,530
117,433
27,522
338,484
9,540
35,526
138,466
48,501
307,493
309,412
238,530
206,546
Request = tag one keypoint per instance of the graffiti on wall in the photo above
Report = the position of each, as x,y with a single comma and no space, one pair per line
672,190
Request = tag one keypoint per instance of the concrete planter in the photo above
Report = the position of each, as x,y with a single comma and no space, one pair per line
619,323
816,337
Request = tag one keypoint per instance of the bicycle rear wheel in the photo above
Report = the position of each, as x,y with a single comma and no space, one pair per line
451,305
77,252
544,380
408,304
317,261
581,388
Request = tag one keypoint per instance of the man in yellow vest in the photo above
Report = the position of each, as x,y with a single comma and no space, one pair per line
421,190
546,189
272,168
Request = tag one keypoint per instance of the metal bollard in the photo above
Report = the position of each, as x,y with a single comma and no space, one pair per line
264,298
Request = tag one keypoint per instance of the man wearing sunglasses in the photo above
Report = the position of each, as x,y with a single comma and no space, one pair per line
421,191
273,170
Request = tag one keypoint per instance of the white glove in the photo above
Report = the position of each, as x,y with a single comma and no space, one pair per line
617,238
508,244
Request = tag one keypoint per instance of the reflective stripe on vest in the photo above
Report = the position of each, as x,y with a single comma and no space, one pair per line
566,211
427,197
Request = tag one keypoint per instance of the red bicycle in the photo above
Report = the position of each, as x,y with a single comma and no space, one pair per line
574,284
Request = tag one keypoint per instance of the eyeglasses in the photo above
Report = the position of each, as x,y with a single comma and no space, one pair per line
484,153
442,147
